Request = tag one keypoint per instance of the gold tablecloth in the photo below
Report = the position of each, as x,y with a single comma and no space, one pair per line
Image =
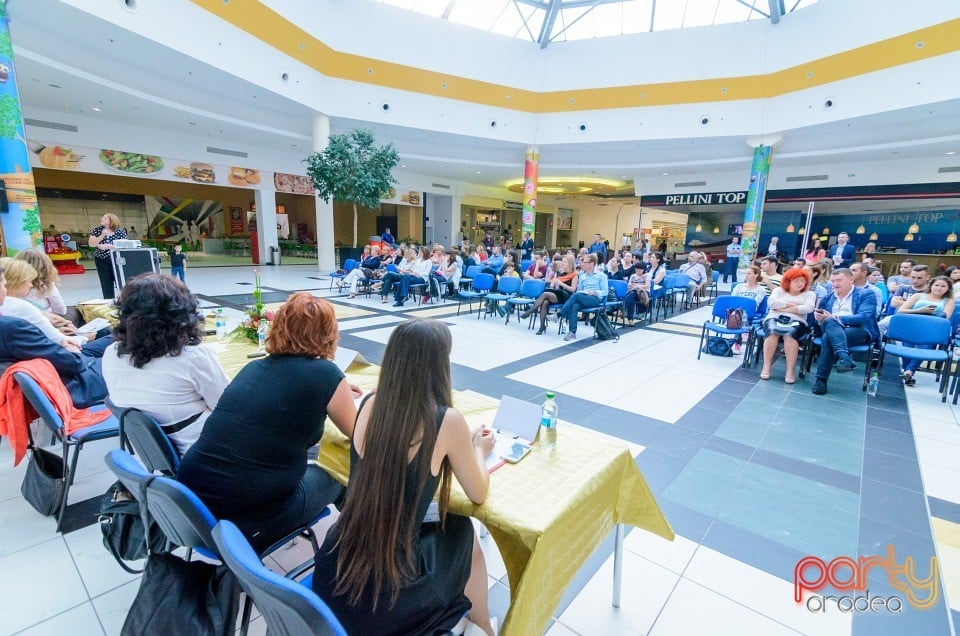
99,309
547,513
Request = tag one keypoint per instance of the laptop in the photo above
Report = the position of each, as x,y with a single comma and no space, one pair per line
515,426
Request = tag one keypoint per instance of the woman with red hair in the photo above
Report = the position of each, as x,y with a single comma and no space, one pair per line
250,464
789,304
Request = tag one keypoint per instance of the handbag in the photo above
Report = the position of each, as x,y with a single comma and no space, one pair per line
735,318
783,324
44,484
718,346
122,528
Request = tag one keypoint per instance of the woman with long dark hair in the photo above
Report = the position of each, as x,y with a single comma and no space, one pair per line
389,566
157,363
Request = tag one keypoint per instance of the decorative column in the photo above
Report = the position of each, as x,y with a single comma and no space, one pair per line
756,195
21,224
326,255
266,200
531,168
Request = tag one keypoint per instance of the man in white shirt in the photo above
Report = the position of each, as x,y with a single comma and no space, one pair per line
696,272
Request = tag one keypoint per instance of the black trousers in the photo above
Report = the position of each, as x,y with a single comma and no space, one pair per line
105,273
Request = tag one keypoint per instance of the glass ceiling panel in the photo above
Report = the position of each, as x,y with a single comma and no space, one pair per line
604,18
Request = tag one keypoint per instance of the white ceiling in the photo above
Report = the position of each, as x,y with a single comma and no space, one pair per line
69,61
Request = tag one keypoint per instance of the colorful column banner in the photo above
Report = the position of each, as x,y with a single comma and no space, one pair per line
21,221
531,168
756,195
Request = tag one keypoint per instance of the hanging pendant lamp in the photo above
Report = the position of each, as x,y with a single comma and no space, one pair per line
861,229
826,230
952,237
801,231
874,236
913,229
908,237
790,229
716,230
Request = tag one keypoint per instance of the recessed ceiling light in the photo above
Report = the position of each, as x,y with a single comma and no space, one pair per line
951,152
664,173
402,165
478,172
96,109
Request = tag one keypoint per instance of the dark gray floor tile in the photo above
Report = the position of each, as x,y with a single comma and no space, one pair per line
892,469
735,387
821,474
888,403
687,523
499,599
730,447
891,420
623,424
659,469
890,441
720,402
933,621
943,509
875,537
701,419
759,552
893,506
679,442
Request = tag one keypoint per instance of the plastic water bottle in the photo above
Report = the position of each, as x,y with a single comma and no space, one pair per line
221,324
262,335
548,423
873,385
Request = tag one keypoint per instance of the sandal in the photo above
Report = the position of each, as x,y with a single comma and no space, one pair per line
764,376
790,380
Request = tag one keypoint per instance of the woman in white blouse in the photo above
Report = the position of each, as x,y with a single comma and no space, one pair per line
20,276
789,304
749,289
158,364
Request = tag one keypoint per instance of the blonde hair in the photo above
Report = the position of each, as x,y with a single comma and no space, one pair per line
17,272
47,276
113,221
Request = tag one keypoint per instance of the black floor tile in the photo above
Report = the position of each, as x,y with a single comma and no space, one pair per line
891,420
943,509
685,522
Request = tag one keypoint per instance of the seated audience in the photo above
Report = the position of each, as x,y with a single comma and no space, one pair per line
385,565
903,278
751,288
537,269
919,280
938,301
613,270
391,279
769,277
847,317
250,464
79,369
20,277
45,293
953,273
591,292
789,304
366,270
695,270
559,287
860,273
158,363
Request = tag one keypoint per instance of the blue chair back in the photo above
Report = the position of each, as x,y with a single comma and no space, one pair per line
392,268
483,282
762,308
525,264
669,282
288,607
183,518
473,271
913,329
619,287
723,303
532,287
349,265
508,285
41,403
716,277
151,444
680,282
127,469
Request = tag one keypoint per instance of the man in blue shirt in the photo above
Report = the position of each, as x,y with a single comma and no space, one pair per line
733,259
591,292
494,264
598,248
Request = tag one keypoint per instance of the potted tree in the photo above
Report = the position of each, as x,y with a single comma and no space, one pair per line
353,169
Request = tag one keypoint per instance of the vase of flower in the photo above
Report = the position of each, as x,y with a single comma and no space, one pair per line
254,315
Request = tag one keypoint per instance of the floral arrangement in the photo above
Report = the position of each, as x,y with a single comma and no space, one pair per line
256,315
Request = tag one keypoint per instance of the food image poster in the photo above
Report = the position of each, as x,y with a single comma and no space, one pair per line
189,220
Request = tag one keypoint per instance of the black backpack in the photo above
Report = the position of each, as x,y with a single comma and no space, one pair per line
603,329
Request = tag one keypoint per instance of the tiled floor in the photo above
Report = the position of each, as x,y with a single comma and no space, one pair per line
752,475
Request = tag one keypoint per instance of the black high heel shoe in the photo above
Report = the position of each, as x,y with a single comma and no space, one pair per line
542,329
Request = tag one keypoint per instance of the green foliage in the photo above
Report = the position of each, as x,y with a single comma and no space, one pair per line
353,169
11,119
31,221
6,47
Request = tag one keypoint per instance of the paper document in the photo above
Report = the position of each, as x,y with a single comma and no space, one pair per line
93,326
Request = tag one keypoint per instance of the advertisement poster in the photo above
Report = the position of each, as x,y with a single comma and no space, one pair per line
403,196
188,220
236,221
293,183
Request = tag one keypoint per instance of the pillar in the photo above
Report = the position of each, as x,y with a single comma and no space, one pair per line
266,200
531,168
756,195
21,224
326,255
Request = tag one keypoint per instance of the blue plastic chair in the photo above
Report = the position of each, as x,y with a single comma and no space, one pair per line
680,287
469,274
711,289
717,323
288,607
525,265
669,298
507,288
925,338
48,414
530,290
814,343
619,288
482,284
348,267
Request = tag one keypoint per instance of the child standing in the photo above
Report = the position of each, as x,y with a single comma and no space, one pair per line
178,262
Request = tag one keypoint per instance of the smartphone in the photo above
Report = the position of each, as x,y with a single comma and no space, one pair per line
256,354
517,452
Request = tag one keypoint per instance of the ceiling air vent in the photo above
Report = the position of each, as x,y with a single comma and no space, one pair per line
946,169
689,184
812,177
53,125
224,151
442,186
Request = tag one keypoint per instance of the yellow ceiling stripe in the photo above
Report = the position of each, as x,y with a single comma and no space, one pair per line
261,22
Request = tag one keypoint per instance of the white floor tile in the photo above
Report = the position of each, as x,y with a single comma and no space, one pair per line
938,452
98,569
491,554
646,587
559,629
365,323
113,606
81,620
693,609
935,430
764,593
39,583
21,526
673,555
928,411
940,481
10,477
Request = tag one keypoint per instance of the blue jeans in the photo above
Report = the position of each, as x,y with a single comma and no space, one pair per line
730,268
836,343
403,288
179,273
571,309
389,280
912,365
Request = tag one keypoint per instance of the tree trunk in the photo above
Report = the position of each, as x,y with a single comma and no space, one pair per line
354,224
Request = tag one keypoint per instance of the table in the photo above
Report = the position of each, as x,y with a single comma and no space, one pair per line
545,534
91,309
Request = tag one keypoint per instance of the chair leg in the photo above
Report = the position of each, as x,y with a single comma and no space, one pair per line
68,478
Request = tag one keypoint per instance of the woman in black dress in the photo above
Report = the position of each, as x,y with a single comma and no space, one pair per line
388,566
250,464
102,238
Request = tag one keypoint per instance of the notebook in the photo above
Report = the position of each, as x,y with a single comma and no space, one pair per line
516,422
343,358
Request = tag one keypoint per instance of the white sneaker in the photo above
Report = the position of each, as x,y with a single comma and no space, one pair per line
737,349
